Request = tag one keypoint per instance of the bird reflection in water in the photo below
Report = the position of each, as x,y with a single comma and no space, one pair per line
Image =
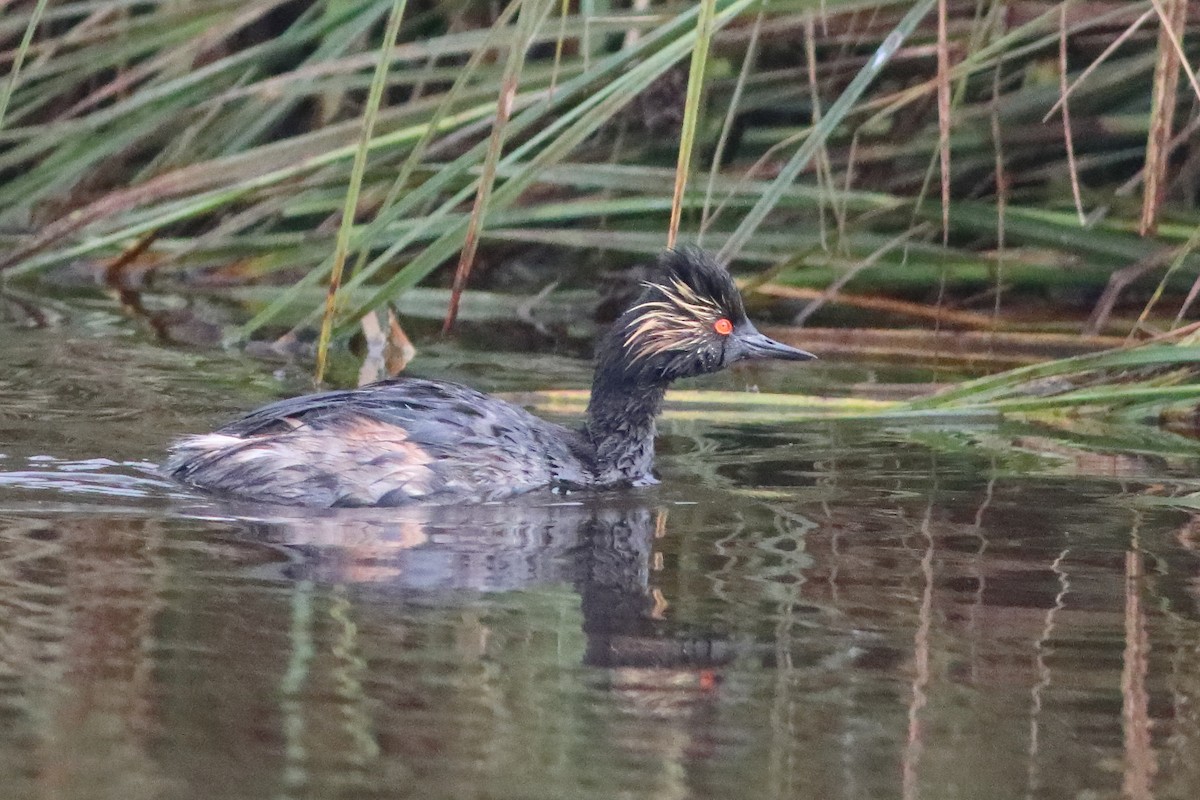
602,547
662,675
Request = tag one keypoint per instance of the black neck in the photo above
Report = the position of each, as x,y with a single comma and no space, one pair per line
620,426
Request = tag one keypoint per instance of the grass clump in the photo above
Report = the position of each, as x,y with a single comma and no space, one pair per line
1032,164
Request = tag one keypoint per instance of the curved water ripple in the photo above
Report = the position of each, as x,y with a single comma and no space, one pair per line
818,611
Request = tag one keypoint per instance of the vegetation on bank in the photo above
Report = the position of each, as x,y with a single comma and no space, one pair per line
938,164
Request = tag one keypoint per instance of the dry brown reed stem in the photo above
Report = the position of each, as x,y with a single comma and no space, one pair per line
849,275
1002,188
1172,18
1068,137
1100,59
1176,38
528,23
943,106
1118,282
903,308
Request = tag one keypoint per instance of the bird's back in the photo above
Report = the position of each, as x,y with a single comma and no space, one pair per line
387,444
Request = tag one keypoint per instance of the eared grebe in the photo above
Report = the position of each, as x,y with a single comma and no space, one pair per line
412,440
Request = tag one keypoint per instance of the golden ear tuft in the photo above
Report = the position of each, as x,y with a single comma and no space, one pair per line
679,319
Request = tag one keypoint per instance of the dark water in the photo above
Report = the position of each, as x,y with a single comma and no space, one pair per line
804,611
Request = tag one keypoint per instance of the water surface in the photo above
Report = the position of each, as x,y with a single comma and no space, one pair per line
798,611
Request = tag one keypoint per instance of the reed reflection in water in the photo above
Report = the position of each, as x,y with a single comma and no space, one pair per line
903,636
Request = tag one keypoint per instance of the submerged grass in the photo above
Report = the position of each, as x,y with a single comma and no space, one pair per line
360,147
1141,384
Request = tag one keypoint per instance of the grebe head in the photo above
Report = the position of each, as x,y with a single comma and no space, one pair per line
689,321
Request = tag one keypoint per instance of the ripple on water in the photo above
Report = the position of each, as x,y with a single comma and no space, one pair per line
820,611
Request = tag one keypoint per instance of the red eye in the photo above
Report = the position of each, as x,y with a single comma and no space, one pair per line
723,326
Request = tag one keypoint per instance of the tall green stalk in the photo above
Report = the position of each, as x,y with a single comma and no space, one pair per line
820,132
691,112
19,58
342,247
